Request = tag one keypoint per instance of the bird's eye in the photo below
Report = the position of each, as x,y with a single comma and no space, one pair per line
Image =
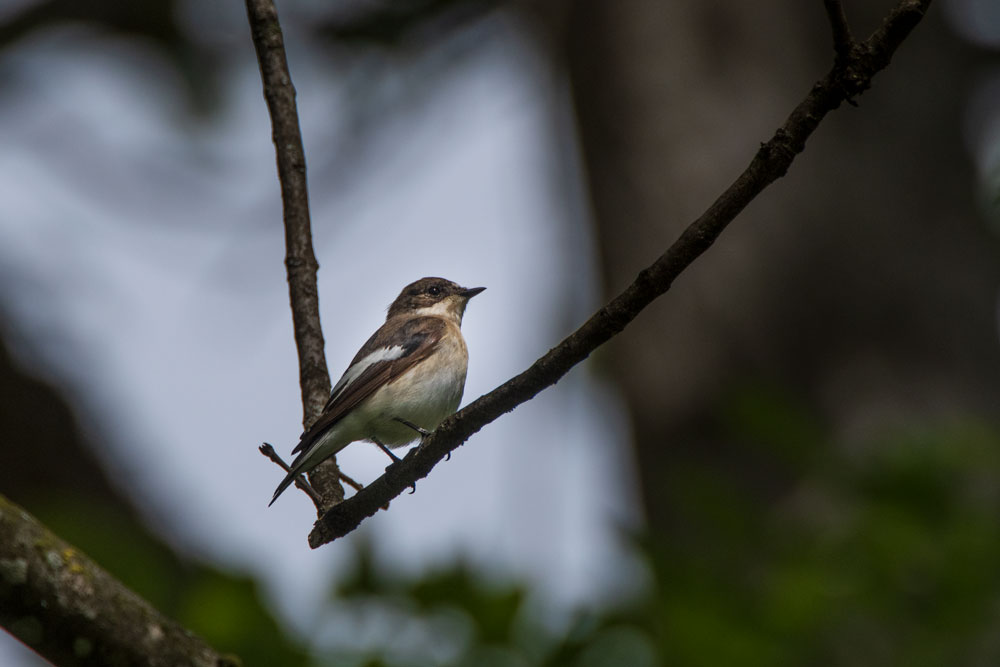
434,290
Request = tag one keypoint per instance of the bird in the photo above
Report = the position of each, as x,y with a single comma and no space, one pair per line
406,378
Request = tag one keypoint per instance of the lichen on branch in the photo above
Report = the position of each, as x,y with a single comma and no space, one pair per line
72,612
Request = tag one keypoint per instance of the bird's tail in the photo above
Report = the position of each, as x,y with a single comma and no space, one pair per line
294,471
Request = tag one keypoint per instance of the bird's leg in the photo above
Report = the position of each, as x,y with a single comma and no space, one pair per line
405,422
395,459
388,452
422,431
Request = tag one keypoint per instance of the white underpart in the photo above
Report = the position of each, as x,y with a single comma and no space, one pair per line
355,371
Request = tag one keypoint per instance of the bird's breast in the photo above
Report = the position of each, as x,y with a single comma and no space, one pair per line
425,395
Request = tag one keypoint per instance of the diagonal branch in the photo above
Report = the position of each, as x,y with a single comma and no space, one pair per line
769,164
300,260
64,606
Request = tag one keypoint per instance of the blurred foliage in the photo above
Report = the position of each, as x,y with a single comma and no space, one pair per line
222,607
154,22
148,19
882,552
392,24
159,24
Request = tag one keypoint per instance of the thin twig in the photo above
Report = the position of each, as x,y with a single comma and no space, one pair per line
300,260
357,486
843,42
267,450
770,163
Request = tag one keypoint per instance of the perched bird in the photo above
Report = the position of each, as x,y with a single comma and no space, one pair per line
403,381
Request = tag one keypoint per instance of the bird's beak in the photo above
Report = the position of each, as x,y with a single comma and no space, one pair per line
469,292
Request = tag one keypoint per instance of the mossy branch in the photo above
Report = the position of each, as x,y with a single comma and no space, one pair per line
72,612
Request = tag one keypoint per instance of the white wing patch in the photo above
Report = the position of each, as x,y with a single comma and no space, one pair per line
352,373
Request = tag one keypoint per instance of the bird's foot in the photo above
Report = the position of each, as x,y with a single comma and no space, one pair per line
422,431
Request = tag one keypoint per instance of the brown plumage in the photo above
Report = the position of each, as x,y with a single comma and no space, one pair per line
418,336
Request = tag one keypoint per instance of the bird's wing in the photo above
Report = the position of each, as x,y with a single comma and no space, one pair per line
391,351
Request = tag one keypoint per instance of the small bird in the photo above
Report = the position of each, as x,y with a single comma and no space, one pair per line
403,381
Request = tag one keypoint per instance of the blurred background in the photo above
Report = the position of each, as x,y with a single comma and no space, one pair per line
792,458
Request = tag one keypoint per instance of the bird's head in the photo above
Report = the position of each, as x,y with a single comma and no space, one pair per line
433,296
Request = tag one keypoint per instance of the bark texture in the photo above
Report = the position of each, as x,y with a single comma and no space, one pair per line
69,610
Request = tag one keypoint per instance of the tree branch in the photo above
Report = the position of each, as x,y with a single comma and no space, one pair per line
300,260
267,449
843,42
769,164
64,606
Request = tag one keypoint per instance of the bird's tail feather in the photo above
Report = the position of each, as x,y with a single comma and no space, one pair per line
285,483
294,471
